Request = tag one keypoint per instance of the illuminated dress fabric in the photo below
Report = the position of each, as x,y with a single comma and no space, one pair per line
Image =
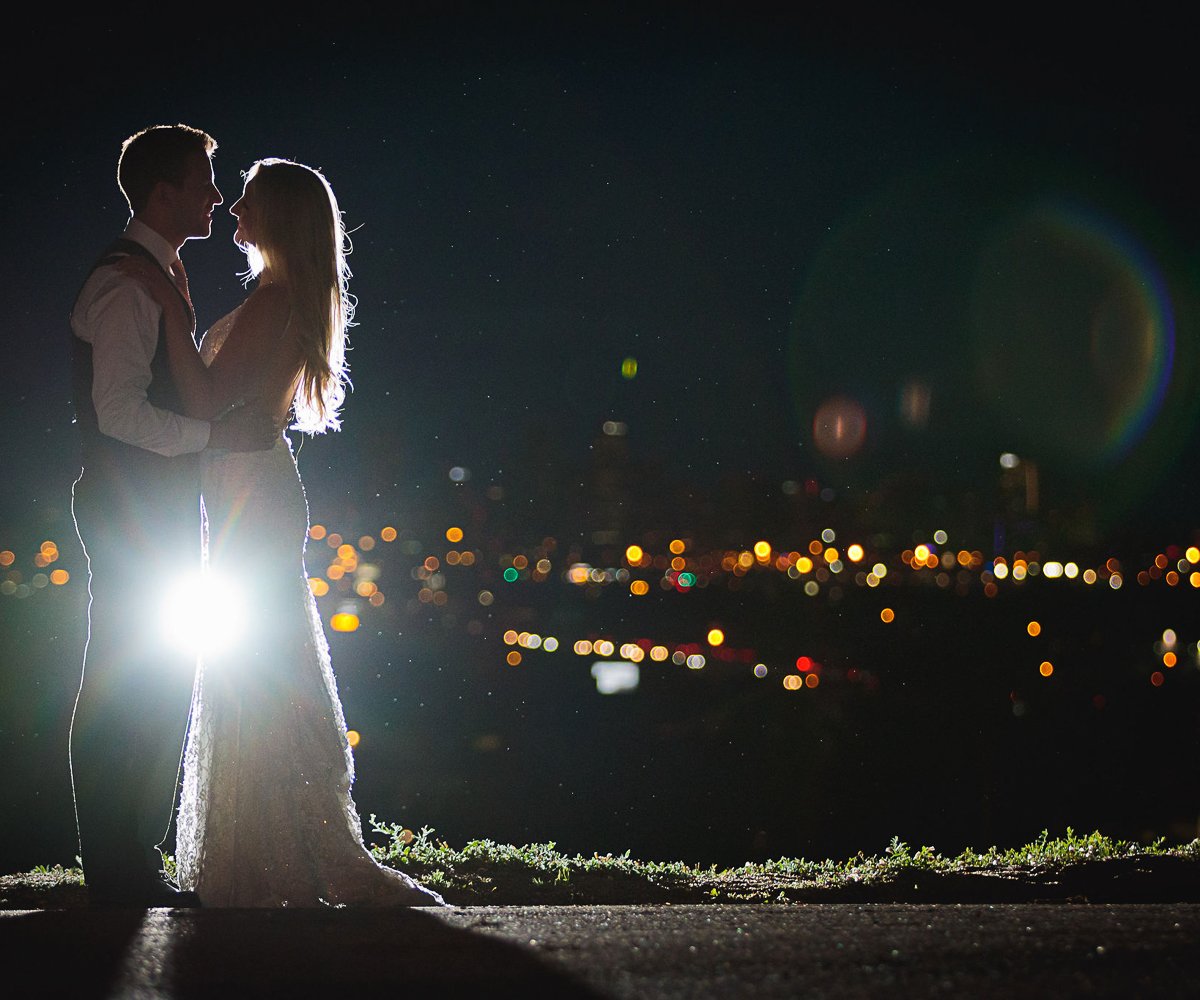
266,817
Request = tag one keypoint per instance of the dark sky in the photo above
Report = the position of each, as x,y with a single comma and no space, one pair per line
978,241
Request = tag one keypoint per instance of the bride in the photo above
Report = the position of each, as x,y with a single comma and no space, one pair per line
266,817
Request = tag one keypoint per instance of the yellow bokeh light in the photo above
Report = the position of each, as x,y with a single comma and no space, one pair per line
1034,628
335,572
1193,554
676,546
1046,668
855,553
659,653
365,588
583,647
344,621
639,588
318,586
346,552
511,637
762,551
715,637
59,577
1169,659
921,553
316,532
514,658
887,615
633,555
454,535
388,534
352,737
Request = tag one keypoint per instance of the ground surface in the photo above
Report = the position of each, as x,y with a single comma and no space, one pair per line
590,951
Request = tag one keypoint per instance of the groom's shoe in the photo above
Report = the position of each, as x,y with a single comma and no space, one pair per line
163,894
144,897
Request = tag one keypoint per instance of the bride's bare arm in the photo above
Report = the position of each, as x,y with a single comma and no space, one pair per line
192,379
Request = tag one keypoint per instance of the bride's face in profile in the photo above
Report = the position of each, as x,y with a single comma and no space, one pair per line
243,211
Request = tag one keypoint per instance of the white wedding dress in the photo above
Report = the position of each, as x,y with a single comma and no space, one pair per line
266,817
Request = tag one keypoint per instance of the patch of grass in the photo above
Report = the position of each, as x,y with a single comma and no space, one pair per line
484,869
1074,867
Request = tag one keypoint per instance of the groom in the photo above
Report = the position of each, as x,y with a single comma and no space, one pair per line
136,509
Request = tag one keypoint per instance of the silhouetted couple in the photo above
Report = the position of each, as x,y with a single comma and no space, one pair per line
266,817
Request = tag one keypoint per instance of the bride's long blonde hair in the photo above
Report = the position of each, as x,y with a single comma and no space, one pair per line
300,241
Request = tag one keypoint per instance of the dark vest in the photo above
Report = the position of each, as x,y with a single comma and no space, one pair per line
136,479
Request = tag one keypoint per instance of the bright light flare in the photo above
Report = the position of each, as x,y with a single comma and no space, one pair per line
203,613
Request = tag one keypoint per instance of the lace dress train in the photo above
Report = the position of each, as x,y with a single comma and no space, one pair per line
266,817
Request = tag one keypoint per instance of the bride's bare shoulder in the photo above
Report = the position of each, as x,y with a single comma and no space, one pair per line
266,309
269,299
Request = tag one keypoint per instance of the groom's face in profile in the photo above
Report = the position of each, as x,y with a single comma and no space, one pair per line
193,201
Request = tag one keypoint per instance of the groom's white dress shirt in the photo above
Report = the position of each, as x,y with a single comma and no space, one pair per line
116,315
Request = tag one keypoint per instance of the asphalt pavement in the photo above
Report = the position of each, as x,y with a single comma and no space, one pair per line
762,951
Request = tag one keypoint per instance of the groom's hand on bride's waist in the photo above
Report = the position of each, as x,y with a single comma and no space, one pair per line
244,428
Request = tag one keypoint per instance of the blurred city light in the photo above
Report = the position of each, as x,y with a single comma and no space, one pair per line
615,676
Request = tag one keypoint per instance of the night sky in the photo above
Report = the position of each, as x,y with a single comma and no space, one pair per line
873,257
765,213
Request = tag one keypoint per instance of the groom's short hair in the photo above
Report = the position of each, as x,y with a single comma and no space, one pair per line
158,153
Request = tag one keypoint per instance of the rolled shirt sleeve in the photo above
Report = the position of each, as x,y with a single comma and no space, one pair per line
120,320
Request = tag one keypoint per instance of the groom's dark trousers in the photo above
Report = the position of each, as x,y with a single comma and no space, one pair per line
137,514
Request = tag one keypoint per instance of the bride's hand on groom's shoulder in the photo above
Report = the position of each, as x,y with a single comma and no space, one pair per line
158,286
